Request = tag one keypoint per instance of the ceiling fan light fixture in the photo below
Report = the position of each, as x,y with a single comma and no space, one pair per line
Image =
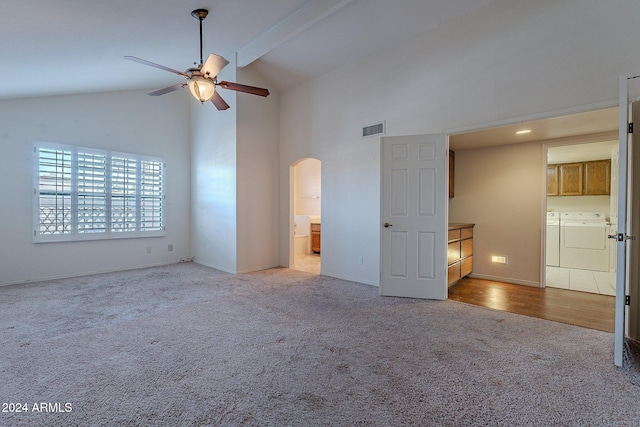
203,78
202,88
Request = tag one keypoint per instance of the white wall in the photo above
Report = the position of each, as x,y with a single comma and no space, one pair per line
213,175
257,176
126,121
501,191
296,117
235,178
508,61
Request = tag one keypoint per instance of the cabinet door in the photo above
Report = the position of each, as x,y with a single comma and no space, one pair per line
315,238
552,180
570,179
597,178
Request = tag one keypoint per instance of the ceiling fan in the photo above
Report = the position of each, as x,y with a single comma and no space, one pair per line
203,78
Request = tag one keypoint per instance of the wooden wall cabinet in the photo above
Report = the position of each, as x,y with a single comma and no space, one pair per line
579,179
570,179
459,252
597,178
552,180
315,238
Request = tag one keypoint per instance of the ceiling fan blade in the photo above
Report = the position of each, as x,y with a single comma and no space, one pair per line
244,88
153,64
167,89
219,102
213,65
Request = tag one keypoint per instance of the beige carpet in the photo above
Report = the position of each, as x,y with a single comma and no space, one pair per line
189,345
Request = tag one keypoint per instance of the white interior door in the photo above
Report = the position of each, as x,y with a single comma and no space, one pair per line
623,237
414,216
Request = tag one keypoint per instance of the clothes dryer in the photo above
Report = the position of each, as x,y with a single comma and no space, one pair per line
583,241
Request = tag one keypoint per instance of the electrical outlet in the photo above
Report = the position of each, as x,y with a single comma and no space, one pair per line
360,260
148,249
170,248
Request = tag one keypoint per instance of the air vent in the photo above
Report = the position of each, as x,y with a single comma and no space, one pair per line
372,130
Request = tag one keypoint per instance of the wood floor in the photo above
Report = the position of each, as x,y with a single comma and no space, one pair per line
576,308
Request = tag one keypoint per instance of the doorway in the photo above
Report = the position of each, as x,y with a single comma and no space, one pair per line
581,212
500,187
306,215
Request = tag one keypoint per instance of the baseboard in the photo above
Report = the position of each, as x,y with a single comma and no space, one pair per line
245,271
505,279
348,278
217,267
253,270
90,273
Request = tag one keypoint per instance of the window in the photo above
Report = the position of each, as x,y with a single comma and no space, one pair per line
82,194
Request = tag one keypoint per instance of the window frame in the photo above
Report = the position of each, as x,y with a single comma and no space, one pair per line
157,195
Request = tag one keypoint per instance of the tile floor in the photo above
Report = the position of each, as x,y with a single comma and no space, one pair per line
596,282
309,263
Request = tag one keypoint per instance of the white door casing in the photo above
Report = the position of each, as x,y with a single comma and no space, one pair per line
624,226
414,209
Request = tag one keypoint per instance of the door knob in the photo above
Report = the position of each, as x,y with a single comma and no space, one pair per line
387,225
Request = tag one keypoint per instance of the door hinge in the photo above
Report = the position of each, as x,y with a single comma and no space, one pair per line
630,127
627,300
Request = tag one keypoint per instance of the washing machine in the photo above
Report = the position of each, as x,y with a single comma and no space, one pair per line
553,239
583,241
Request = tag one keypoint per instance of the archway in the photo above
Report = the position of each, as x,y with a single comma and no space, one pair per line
305,215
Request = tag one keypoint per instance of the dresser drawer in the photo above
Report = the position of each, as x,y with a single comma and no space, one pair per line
453,273
467,248
466,233
466,266
453,252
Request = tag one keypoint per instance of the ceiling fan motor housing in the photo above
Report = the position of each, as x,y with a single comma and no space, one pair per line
200,13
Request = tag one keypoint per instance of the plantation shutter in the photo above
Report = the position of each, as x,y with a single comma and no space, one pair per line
87,194
54,189
151,195
92,193
123,194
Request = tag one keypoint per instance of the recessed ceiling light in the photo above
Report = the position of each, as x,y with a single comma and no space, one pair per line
523,131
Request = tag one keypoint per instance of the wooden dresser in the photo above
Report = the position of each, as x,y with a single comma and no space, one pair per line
460,251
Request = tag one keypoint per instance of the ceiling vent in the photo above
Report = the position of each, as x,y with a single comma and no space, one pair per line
374,129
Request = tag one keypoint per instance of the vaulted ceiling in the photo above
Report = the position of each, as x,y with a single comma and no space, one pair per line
75,46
